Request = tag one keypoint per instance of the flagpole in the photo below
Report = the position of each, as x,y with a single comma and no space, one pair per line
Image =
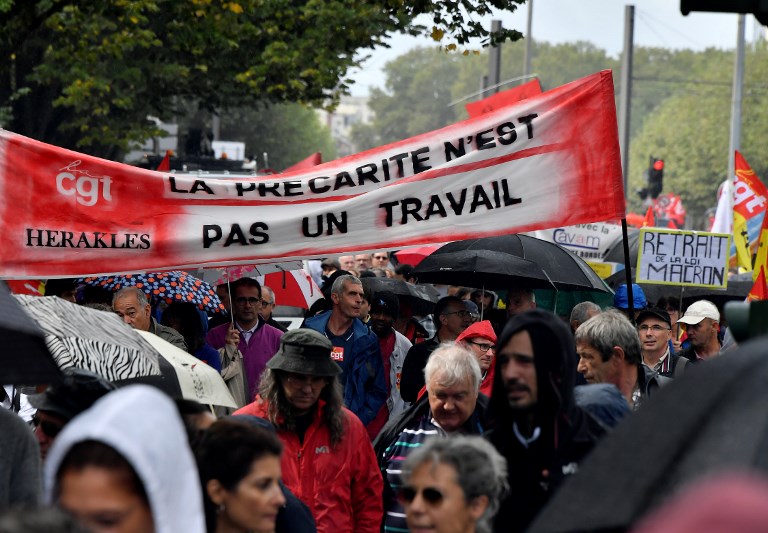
627,268
736,97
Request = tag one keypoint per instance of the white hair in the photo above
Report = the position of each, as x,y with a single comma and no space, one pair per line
452,364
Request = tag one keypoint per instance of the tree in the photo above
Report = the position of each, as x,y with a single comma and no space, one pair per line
418,93
86,75
420,84
287,132
690,131
680,106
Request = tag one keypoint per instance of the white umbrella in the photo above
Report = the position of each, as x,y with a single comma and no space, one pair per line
197,380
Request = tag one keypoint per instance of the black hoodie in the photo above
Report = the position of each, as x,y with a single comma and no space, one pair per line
567,432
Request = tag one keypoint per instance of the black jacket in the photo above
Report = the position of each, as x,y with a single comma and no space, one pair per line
568,433
412,377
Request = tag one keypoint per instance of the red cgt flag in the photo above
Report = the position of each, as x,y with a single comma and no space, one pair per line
165,164
650,219
311,161
503,98
759,290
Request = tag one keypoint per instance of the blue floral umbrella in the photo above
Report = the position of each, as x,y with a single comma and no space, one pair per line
169,287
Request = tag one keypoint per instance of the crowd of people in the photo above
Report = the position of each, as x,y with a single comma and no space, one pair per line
367,418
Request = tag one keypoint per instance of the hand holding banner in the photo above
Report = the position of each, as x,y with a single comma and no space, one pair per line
691,258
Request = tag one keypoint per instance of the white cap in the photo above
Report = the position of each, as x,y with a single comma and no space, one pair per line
698,311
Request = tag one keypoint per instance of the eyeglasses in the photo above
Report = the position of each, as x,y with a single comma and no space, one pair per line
266,303
484,347
242,300
430,495
462,314
655,328
50,429
300,381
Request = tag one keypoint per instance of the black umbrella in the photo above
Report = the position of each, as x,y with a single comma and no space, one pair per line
552,265
421,298
615,251
710,420
24,359
736,290
480,268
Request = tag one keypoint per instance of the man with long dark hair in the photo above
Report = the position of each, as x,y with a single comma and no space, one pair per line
328,460
539,428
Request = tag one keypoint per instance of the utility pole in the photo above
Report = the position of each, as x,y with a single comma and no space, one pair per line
625,95
738,92
528,40
494,66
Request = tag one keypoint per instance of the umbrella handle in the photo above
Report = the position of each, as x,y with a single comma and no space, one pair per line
229,295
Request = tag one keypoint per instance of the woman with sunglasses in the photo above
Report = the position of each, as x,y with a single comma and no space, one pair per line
453,486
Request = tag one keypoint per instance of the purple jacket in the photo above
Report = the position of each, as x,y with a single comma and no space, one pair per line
263,344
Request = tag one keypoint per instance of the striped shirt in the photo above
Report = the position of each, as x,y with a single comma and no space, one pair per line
396,454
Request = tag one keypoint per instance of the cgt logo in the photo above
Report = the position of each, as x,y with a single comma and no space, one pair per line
86,189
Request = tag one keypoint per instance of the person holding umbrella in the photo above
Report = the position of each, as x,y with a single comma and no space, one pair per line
451,318
256,340
131,304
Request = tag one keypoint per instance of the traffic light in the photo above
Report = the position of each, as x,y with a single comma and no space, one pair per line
656,177
759,8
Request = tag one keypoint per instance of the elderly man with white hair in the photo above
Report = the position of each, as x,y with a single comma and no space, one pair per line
451,406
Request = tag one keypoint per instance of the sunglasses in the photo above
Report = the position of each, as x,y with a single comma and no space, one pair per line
430,495
50,429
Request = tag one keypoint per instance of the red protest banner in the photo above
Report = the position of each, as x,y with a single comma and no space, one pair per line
551,160
503,98
308,162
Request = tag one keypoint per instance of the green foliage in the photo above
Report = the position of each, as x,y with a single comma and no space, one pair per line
690,130
86,74
420,85
287,132
680,106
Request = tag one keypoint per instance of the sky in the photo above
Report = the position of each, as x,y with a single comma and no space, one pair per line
657,23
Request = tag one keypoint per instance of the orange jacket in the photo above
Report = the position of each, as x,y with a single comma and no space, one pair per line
342,486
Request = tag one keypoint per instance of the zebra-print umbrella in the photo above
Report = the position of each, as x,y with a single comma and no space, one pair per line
95,340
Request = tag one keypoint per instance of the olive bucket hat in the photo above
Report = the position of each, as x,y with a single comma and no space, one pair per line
305,351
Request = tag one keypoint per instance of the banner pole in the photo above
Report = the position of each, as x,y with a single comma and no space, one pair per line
628,269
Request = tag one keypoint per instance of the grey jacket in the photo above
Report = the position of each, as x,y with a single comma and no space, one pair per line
20,468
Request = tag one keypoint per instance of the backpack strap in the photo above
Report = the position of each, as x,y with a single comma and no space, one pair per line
680,365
